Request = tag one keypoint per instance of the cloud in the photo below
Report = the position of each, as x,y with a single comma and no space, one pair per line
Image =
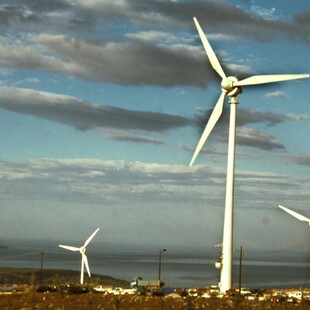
116,182
298,117
260,24
301,160
97,181
303,19
279,94
268,14
253,138
158,52
128,63
83,115
130,137
154,36
247,137
89,16
135,197
245,117
249,116
250,137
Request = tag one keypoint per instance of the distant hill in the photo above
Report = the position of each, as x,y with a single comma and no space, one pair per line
53,276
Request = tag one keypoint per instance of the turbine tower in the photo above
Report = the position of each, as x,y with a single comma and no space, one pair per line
295,214
82,250
231,87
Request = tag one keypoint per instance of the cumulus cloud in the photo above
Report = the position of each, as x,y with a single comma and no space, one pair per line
262,24
151,55
114,62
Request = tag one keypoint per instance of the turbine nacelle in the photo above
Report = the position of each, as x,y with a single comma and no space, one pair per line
228,86
231,87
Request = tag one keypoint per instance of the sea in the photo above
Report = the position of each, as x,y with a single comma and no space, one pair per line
179,266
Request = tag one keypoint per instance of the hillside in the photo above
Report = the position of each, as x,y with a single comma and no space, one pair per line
12,276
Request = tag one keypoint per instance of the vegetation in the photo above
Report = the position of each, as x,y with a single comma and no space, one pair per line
61,296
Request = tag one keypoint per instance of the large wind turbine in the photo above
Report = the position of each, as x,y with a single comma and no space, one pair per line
295,214
82,250
231,87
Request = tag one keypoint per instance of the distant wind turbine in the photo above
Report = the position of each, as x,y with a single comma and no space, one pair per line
231,87
295,214
82,250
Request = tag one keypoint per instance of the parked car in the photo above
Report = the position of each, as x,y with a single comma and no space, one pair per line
101,289
129,291
164,291
122,291
75,289
192,292
245,291
278,298
46,288
116,291
8,288
252,297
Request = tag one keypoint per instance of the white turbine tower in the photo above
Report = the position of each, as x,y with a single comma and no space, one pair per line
295,214
231,87
82,250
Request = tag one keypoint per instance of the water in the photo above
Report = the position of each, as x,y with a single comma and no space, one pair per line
180,267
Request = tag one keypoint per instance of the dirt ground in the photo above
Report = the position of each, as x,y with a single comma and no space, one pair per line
26,298
91,301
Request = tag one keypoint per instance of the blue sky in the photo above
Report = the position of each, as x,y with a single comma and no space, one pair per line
102,105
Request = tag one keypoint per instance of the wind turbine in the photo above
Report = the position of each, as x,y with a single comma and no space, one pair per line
295,214
231,87
82,250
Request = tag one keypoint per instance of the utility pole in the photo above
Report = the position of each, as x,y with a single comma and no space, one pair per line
159,262
41,270
240,269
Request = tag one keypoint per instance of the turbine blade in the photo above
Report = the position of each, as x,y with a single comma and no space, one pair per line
262,79
211,55
295,214
90,238
217,111
70,248
85,261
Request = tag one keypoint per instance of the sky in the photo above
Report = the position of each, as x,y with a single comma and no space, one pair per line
102,103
